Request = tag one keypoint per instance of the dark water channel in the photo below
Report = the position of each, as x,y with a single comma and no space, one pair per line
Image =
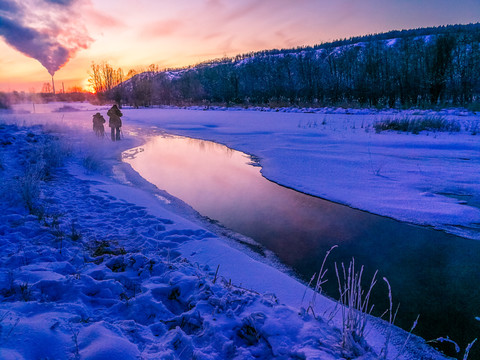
431,273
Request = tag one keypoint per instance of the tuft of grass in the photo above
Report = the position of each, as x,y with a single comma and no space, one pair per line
25,291
310,124
354,306
46,155
28,186
355,303
102,247
75,235
415,125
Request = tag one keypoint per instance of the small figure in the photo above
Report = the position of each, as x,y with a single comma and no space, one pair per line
115,122
98,121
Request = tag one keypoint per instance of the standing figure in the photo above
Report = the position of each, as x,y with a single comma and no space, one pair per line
115,122
98,121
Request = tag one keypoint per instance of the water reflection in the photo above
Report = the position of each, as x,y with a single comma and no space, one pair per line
432,273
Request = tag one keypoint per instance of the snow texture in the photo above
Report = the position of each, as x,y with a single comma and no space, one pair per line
95,263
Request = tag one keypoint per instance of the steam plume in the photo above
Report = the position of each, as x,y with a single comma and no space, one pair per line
47,30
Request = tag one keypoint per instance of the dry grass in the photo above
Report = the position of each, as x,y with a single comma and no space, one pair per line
46,155
415,124
355,303
319,282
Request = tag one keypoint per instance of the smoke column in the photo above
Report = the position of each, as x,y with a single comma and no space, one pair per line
47,30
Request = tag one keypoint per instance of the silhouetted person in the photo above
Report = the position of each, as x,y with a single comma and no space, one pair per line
98,121
115,122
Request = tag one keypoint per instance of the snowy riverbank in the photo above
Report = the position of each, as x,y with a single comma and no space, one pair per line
117,268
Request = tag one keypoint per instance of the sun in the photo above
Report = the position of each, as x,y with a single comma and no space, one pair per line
87,87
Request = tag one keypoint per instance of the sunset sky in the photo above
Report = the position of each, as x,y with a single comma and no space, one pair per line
67,35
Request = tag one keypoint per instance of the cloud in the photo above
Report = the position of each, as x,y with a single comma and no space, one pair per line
213,35
61,2
163,28
243,11
7,6
47,30
102,20
214,4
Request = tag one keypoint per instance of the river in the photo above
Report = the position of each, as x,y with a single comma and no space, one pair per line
432,274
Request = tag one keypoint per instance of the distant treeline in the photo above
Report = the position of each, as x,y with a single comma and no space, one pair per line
425,67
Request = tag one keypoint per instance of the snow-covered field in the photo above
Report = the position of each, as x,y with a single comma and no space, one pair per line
106,266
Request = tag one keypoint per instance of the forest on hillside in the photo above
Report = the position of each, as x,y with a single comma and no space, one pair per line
425,67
